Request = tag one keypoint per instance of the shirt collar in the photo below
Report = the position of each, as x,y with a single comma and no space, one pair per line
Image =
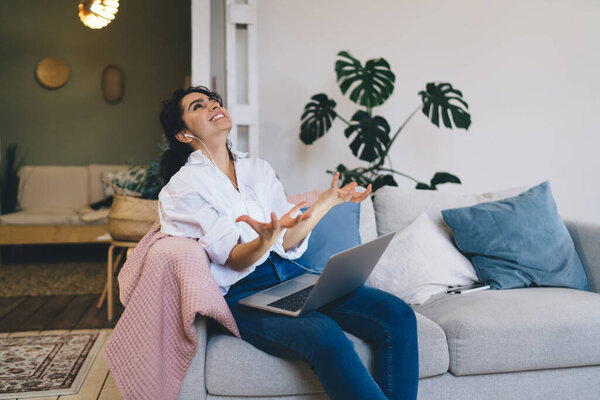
197,157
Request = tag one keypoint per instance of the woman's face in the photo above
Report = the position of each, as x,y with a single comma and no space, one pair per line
204,117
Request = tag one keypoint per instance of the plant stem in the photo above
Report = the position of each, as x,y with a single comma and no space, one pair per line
378,166
387,149
399,173
362,171
338,115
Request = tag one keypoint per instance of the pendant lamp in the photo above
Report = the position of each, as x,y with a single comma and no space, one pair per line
97,14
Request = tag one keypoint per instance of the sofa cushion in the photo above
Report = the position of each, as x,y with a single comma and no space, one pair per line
49,187
518,242
34,217
420,262
396,207
494,331
367,228
260,374
337,231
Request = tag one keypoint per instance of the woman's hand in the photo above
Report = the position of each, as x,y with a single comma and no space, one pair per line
269,231
337,195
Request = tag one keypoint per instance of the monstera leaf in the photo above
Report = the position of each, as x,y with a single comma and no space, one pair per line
438,178
374,81
317,118
372,136
383,180
441,98
350,175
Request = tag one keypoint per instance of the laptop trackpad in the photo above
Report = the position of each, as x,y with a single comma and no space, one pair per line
286,288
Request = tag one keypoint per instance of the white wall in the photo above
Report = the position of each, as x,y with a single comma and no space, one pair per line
201,30
528,70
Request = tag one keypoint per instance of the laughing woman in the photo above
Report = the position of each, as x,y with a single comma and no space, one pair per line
220,197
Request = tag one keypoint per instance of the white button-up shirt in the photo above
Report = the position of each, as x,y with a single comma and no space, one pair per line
200,202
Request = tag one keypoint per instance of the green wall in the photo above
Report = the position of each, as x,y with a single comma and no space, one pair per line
73,125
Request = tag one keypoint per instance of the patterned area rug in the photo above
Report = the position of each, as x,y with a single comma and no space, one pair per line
46,365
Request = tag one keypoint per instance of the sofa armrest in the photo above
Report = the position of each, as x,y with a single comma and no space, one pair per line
194,382
586,237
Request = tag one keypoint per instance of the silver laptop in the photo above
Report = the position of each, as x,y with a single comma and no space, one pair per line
345,271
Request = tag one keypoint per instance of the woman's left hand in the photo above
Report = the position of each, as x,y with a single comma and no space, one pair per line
340,195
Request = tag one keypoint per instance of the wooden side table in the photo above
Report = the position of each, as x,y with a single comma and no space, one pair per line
124,249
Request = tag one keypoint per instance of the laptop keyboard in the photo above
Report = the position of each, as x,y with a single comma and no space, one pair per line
294,301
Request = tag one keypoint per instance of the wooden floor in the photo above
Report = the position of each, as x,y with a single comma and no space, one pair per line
34,315
64,312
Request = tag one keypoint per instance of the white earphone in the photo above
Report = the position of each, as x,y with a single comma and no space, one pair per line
191,136
194,137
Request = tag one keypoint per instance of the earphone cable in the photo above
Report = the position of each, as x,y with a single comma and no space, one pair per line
302,266
209,156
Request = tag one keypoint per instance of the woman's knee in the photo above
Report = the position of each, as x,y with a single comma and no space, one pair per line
324,337
396,314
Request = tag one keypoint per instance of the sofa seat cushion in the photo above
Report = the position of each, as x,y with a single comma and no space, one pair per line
494,331
232,363
38,217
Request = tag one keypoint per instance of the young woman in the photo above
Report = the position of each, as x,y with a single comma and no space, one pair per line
220,197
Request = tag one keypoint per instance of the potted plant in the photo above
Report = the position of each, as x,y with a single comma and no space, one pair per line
9,180
135,201
372,84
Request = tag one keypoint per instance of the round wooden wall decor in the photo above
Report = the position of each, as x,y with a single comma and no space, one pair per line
113,84
52,72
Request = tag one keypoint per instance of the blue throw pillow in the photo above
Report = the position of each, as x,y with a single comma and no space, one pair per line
336,231
517,242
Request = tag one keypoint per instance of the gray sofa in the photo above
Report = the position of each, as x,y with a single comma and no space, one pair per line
531,343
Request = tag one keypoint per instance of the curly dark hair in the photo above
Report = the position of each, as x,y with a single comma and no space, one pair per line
171,119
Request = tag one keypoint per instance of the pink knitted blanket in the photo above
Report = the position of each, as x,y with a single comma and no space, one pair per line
163,284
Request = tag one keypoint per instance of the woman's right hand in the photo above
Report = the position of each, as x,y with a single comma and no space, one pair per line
269,232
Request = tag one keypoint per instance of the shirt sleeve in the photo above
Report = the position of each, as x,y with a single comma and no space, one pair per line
189,215
281,206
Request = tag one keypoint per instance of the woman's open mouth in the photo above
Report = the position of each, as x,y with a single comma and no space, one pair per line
216,117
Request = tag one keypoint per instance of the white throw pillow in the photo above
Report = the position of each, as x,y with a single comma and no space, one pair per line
420,262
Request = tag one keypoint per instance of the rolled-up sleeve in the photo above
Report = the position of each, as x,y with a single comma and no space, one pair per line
281,206
190,216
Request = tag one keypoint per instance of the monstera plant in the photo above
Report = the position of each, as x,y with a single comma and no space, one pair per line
370,86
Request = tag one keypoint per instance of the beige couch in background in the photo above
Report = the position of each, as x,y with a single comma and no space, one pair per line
54,205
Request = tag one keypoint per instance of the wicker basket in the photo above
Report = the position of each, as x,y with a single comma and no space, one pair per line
130,218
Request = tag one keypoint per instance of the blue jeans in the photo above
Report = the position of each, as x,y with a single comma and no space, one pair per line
379,318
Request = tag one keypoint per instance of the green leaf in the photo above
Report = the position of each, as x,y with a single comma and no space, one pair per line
344,177
372,136
317,118
443,177
373,84
10,180
442,99
164,144
423,186
350,175
383,180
